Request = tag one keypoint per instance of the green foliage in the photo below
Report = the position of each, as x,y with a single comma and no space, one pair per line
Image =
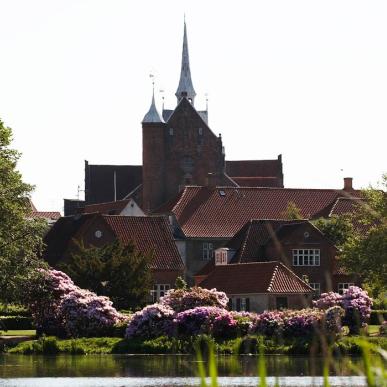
16,322
366,252
180,283
20,235
338,229
378,316
292,212
117,271
14,310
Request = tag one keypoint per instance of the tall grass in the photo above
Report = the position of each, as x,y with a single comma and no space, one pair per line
374,361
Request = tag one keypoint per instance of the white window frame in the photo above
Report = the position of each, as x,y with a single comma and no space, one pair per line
342,286
306,257
207,251
158,291
316,287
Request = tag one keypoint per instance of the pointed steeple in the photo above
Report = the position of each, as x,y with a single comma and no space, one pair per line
153,116
185,88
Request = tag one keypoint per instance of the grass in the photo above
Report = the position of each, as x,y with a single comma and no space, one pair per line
165,345
27,332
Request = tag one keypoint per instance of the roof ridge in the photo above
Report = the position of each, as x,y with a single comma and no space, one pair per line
272,278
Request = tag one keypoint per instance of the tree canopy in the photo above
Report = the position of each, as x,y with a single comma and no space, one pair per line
118,271
20,234
366,252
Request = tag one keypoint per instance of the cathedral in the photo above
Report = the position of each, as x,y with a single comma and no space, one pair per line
179,149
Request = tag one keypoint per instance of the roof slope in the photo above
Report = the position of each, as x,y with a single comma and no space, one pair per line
60,234
220,213
258,277
109,208
150,234
54,215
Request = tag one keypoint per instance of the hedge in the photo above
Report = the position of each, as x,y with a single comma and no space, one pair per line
16,323
377,317
14,310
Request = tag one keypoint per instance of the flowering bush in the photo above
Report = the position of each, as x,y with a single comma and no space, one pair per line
357,305
206,320
303,322
328,300
333,319
245,321
183,299
269,323
152,321
59,307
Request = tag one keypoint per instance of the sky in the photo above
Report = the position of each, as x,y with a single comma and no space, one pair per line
305,79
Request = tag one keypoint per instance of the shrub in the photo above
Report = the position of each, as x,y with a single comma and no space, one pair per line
182,299
357,305
15,323
269,323
383,329
61,308
152,321
211,320
333,320
328,300
244,321
302,323
377,317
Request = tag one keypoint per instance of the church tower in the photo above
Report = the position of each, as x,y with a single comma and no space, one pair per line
179,148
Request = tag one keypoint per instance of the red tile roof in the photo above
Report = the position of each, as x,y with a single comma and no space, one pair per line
54,215
219,213
259,181
150,234
345,206
259,277
109,208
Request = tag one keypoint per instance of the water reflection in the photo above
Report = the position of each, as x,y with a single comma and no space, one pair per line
24,366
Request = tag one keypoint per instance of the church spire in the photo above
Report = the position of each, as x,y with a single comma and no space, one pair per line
153,116
185,88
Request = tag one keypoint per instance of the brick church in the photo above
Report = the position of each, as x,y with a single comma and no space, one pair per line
179,149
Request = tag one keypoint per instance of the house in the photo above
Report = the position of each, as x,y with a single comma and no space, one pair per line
210,216
49,216
297,244
150,234
259,286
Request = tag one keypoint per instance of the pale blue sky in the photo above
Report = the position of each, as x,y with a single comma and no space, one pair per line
307,79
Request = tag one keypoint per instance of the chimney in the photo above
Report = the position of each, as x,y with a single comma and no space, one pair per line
348,184
211,180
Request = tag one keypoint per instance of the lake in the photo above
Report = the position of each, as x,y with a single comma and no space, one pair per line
166,370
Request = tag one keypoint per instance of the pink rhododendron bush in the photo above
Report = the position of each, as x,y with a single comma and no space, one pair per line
61,308
183,299
173,317
355,302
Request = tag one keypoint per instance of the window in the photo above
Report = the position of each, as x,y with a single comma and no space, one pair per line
158,291
306,257
342,287
208,251
200,131
240,304
316,288
171,131
281,302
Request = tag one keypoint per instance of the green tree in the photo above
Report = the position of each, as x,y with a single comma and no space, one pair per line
339,229
292,212
116,270
20,235
366,253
